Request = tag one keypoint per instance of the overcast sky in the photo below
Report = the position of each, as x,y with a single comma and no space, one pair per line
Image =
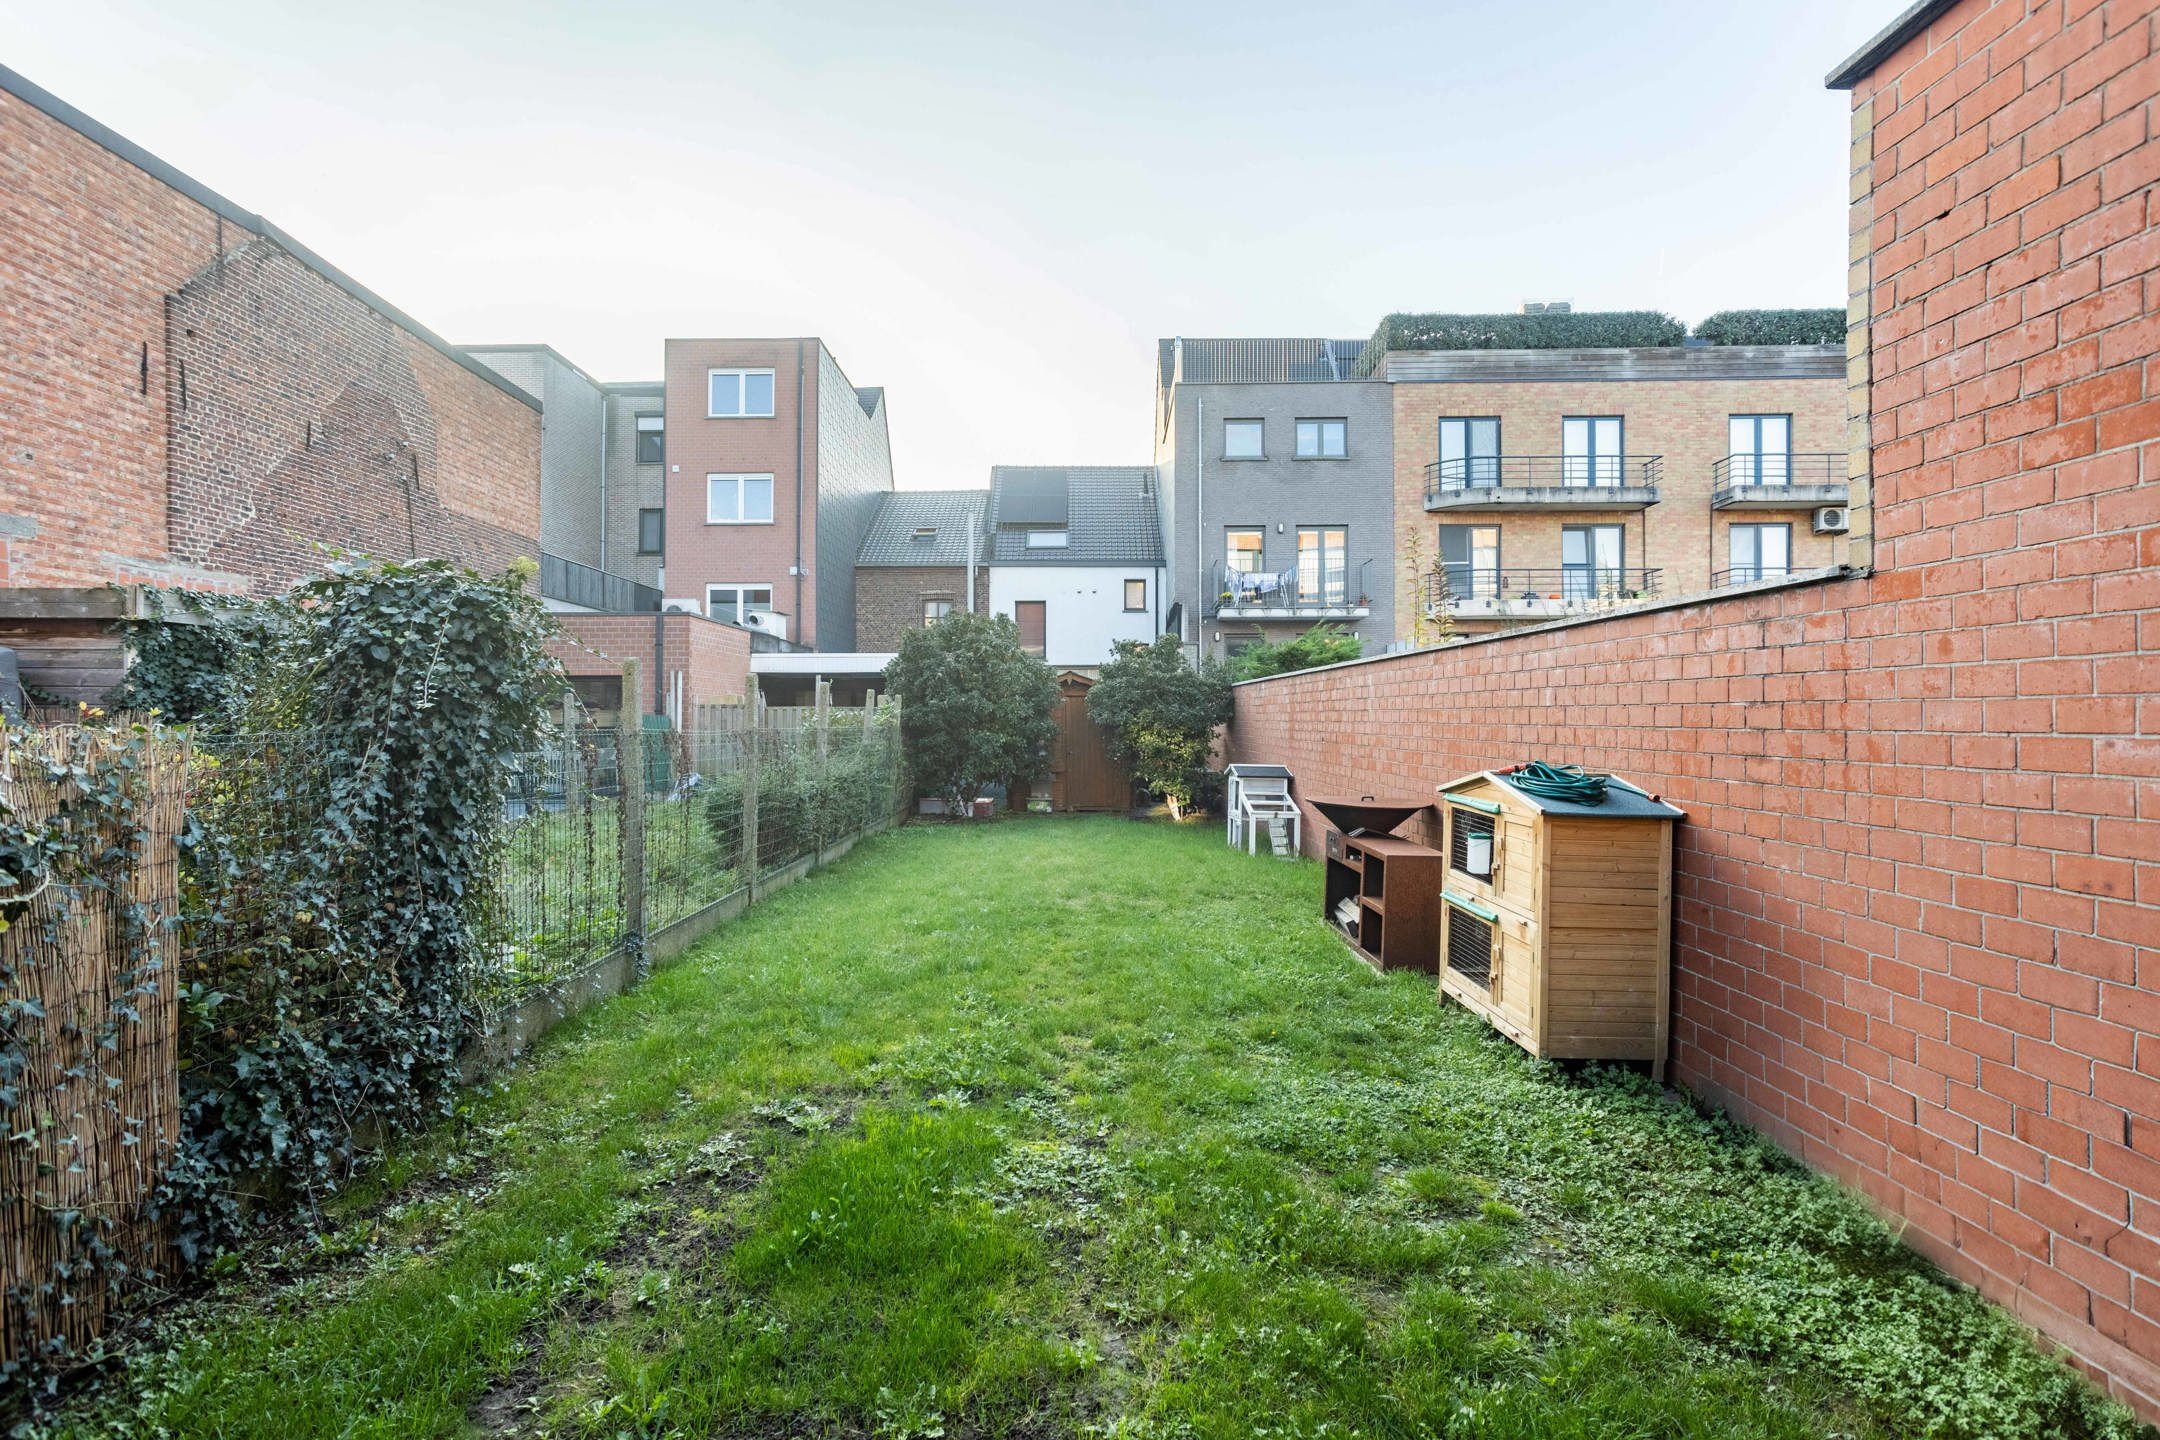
993,209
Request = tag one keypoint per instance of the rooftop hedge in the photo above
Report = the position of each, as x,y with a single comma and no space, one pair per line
1774,327
1567,330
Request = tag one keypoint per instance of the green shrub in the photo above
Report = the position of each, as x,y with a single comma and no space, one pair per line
801,808
1159,714
975,708
1774,327
1324,644
1571,330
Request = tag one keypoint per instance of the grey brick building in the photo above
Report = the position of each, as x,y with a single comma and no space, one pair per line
1278,491
572,408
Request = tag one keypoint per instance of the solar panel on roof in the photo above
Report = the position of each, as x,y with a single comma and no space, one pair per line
1036,497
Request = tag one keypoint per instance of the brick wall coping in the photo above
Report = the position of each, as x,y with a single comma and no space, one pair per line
39,98
1701,597
1862,62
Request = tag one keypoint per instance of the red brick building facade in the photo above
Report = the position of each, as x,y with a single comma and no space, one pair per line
195,399
1918,892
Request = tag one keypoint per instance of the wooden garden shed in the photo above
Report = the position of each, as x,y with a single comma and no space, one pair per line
1083,775
1556,915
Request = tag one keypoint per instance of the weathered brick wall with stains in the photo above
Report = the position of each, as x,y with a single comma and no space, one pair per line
1918,894
299,417
186,403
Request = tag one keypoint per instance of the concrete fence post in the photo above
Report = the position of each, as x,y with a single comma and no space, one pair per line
753,740
573,756
630,812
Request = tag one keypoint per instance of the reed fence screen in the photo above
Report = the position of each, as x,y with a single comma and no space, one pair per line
604,843
89,1088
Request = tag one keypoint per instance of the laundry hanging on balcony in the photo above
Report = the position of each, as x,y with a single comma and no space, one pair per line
1246,585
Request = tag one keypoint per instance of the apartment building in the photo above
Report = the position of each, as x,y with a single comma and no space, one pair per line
1277,493
775,466
921,561
1538,483
603,482
1344,481
1075,557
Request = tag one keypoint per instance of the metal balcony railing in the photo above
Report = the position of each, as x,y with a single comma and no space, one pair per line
1537,591
582,585
1297,592
1736,475
1476,476
1750,575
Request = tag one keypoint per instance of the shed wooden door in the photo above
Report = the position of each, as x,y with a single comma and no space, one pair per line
1082,774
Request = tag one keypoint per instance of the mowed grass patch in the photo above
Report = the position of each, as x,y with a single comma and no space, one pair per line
1081,1127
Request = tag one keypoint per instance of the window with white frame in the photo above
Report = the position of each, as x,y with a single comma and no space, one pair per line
1044,537
735,602
1323,439
738,394
1759,449
1242,546
1590,450
738,499
935,608
1243,439
1759,552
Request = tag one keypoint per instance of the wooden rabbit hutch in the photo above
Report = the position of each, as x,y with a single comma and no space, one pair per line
1380,893
1556,913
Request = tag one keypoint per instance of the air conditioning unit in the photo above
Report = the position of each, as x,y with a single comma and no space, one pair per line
1833,520
680,606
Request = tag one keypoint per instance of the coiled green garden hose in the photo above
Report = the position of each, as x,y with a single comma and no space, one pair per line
1569,783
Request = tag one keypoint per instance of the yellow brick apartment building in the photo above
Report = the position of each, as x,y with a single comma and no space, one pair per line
1537,483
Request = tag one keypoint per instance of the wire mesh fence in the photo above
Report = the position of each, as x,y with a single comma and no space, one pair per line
605,843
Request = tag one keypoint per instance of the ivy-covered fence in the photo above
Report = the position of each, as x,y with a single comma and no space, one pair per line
383,849
89,825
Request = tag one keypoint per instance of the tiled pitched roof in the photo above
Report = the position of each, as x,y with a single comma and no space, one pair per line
1112,517
901,513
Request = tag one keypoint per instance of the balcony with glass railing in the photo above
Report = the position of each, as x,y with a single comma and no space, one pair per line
1484,484
1779,482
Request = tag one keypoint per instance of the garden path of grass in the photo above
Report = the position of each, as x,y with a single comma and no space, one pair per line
1078,1127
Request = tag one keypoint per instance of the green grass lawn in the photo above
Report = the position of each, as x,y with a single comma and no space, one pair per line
1078,1127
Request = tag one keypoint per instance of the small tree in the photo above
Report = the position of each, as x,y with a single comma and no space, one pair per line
1159,714
975,709
1324,644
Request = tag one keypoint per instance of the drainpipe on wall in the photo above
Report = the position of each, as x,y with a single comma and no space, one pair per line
799,484
1199,542
971,562
603,479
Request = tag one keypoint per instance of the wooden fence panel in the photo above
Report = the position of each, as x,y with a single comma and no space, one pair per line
88,974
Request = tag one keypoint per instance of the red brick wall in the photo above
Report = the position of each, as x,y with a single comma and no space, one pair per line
184,402
89,247
700,662
1917,931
